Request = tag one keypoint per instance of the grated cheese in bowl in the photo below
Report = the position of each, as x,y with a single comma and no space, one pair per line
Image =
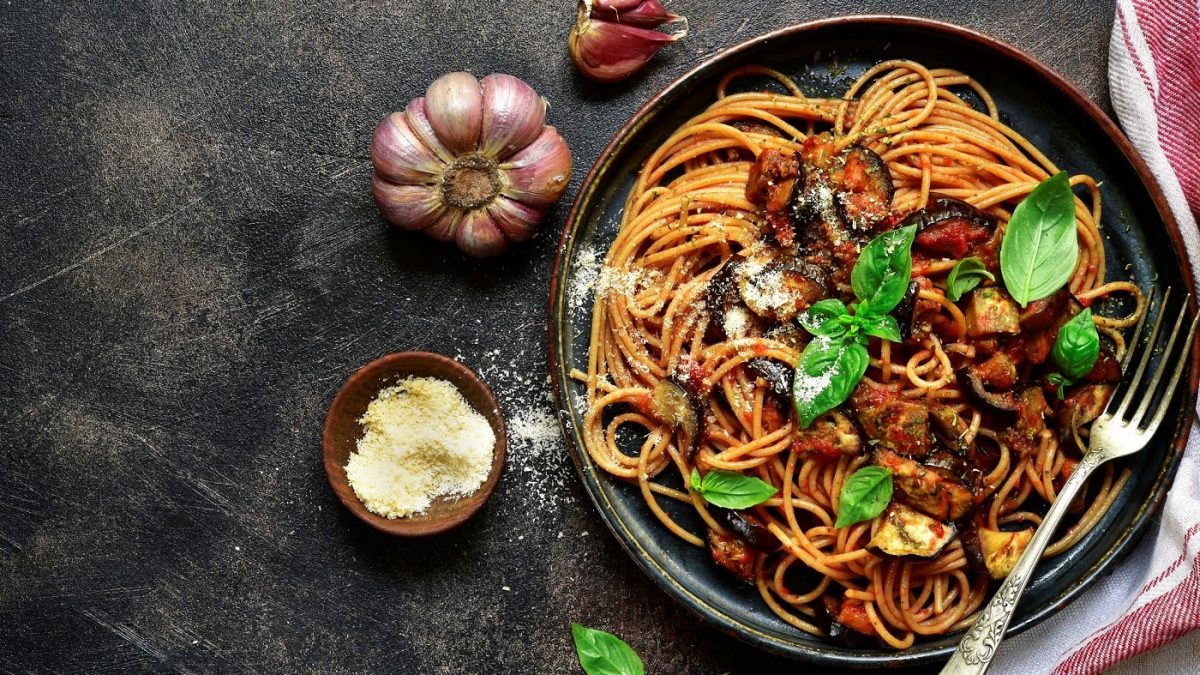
421,441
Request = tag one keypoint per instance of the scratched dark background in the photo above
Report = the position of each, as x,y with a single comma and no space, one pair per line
192,265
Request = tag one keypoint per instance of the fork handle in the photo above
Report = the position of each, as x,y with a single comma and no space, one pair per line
978,646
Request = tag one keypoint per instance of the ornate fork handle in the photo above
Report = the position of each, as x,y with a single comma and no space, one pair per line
978,646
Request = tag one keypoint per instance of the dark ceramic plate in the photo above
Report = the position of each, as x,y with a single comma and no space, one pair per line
825,56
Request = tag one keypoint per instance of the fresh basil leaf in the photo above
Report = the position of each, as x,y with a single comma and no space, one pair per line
884,267
880,326
1040,247
865,494
695,479
821,319
965,275
732,490
602,653
1061,383
826,372
1077,346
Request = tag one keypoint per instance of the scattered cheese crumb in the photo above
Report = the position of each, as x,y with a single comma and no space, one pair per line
421,440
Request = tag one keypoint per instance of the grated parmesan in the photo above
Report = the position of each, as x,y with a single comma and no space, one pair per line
421,440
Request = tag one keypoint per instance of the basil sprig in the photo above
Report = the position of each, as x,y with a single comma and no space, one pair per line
602,653
1075,350
1040,248
732,490
836,359
865,494
965,275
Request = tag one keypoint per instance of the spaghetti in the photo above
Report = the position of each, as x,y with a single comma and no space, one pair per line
661,313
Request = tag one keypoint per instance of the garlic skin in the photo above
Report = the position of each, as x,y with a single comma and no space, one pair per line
613,39
471,162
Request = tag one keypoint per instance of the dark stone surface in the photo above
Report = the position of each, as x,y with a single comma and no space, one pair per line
193,265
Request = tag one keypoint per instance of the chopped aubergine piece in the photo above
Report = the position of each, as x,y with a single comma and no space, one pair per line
773,179
673,404
1106,370
732,554
933,490
999,371
949,426
853,615
992,312
778,376
1005,400
833,434
747,526
1001,550
1044,313
729,318
907,533
950,228
903,312
865,189
1031,408
777,286
897,423
1081,405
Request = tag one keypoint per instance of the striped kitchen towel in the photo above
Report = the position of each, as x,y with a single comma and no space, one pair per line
1133,620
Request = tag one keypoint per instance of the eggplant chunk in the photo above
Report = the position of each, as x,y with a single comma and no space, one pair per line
1044,313
674,405
949,426
907,533
999,371
778,376
747,526
732,554
1004,400
933,490
1081,405
777,286
1001,550
774,178
992,312
865,190
729,318
897,423
833,434
942,208
903,313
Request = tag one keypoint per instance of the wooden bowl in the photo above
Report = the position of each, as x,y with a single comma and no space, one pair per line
342,431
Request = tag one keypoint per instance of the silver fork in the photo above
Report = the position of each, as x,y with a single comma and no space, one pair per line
1114,434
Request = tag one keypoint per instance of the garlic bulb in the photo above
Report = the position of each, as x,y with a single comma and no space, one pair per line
613,39
471,162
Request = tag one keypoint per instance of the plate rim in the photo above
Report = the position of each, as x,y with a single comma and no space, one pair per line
822,653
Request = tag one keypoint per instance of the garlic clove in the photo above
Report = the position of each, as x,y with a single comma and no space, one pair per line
399,155
454,105
641,13
480,237
445,227
513,115
538,175
418,121
410,207
516,220
606,51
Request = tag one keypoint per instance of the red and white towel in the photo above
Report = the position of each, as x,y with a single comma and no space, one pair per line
1145,610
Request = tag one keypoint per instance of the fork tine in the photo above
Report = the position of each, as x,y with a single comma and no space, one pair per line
1165,403
1137,331
1163,365
1150,341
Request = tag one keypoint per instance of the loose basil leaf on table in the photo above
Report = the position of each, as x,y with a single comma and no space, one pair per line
823,318
965,275
884,269
865,494
1077,346
732,490
826,373
602,653
1040,247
